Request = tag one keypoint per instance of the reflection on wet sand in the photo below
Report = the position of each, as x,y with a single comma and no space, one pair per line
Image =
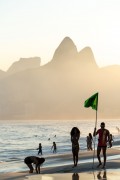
102,175
91,175
75,176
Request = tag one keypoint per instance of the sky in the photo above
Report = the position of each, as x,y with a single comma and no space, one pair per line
31,28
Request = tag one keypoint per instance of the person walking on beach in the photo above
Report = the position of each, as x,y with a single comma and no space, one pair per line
75,135
39,149
54,147
103,138
36,160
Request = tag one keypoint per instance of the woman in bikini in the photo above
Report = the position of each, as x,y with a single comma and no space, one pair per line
75,135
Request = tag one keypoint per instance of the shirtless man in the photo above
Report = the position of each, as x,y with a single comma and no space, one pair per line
35,160
103,138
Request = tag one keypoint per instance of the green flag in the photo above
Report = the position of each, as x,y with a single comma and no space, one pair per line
92,101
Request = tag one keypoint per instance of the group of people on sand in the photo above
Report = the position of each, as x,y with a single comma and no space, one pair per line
104,137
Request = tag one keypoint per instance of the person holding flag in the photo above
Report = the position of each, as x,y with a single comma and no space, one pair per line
103,138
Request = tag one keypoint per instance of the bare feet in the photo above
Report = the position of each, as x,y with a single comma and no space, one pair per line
99,165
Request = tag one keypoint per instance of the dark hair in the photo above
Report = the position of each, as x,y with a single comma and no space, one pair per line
73,131
90,135
102,123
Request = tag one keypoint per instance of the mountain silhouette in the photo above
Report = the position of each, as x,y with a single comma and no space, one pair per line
66,49
2,74
58,89
24,64
86,58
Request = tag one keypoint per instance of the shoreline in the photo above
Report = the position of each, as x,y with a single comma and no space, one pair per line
86,166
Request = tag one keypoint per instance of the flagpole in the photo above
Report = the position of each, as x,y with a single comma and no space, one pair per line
94,140
93,102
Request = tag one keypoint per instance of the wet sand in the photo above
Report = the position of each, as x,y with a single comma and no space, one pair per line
84,169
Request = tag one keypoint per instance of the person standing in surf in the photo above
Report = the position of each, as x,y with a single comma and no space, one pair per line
39,149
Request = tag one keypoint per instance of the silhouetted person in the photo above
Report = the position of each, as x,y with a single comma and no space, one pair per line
102,177
75,135
54,147
40,149
36,160
104,137
90,141
75,176
48,139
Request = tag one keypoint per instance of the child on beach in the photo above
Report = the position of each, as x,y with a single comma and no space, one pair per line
39,149
36,160
75,135
104,137
54,147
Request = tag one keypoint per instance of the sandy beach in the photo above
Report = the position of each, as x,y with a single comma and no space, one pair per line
84,169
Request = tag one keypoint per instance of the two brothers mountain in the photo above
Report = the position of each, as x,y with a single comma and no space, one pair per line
58,89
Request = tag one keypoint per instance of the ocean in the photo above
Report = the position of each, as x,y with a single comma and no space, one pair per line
21,138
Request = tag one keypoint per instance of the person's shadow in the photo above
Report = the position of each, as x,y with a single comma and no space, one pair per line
75,176
102,175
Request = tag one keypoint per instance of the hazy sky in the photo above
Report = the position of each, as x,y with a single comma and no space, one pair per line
31,28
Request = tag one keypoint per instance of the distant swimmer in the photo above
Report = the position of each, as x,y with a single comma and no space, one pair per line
35,160
54,135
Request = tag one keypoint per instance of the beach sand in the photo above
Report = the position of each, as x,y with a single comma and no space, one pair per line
84,169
